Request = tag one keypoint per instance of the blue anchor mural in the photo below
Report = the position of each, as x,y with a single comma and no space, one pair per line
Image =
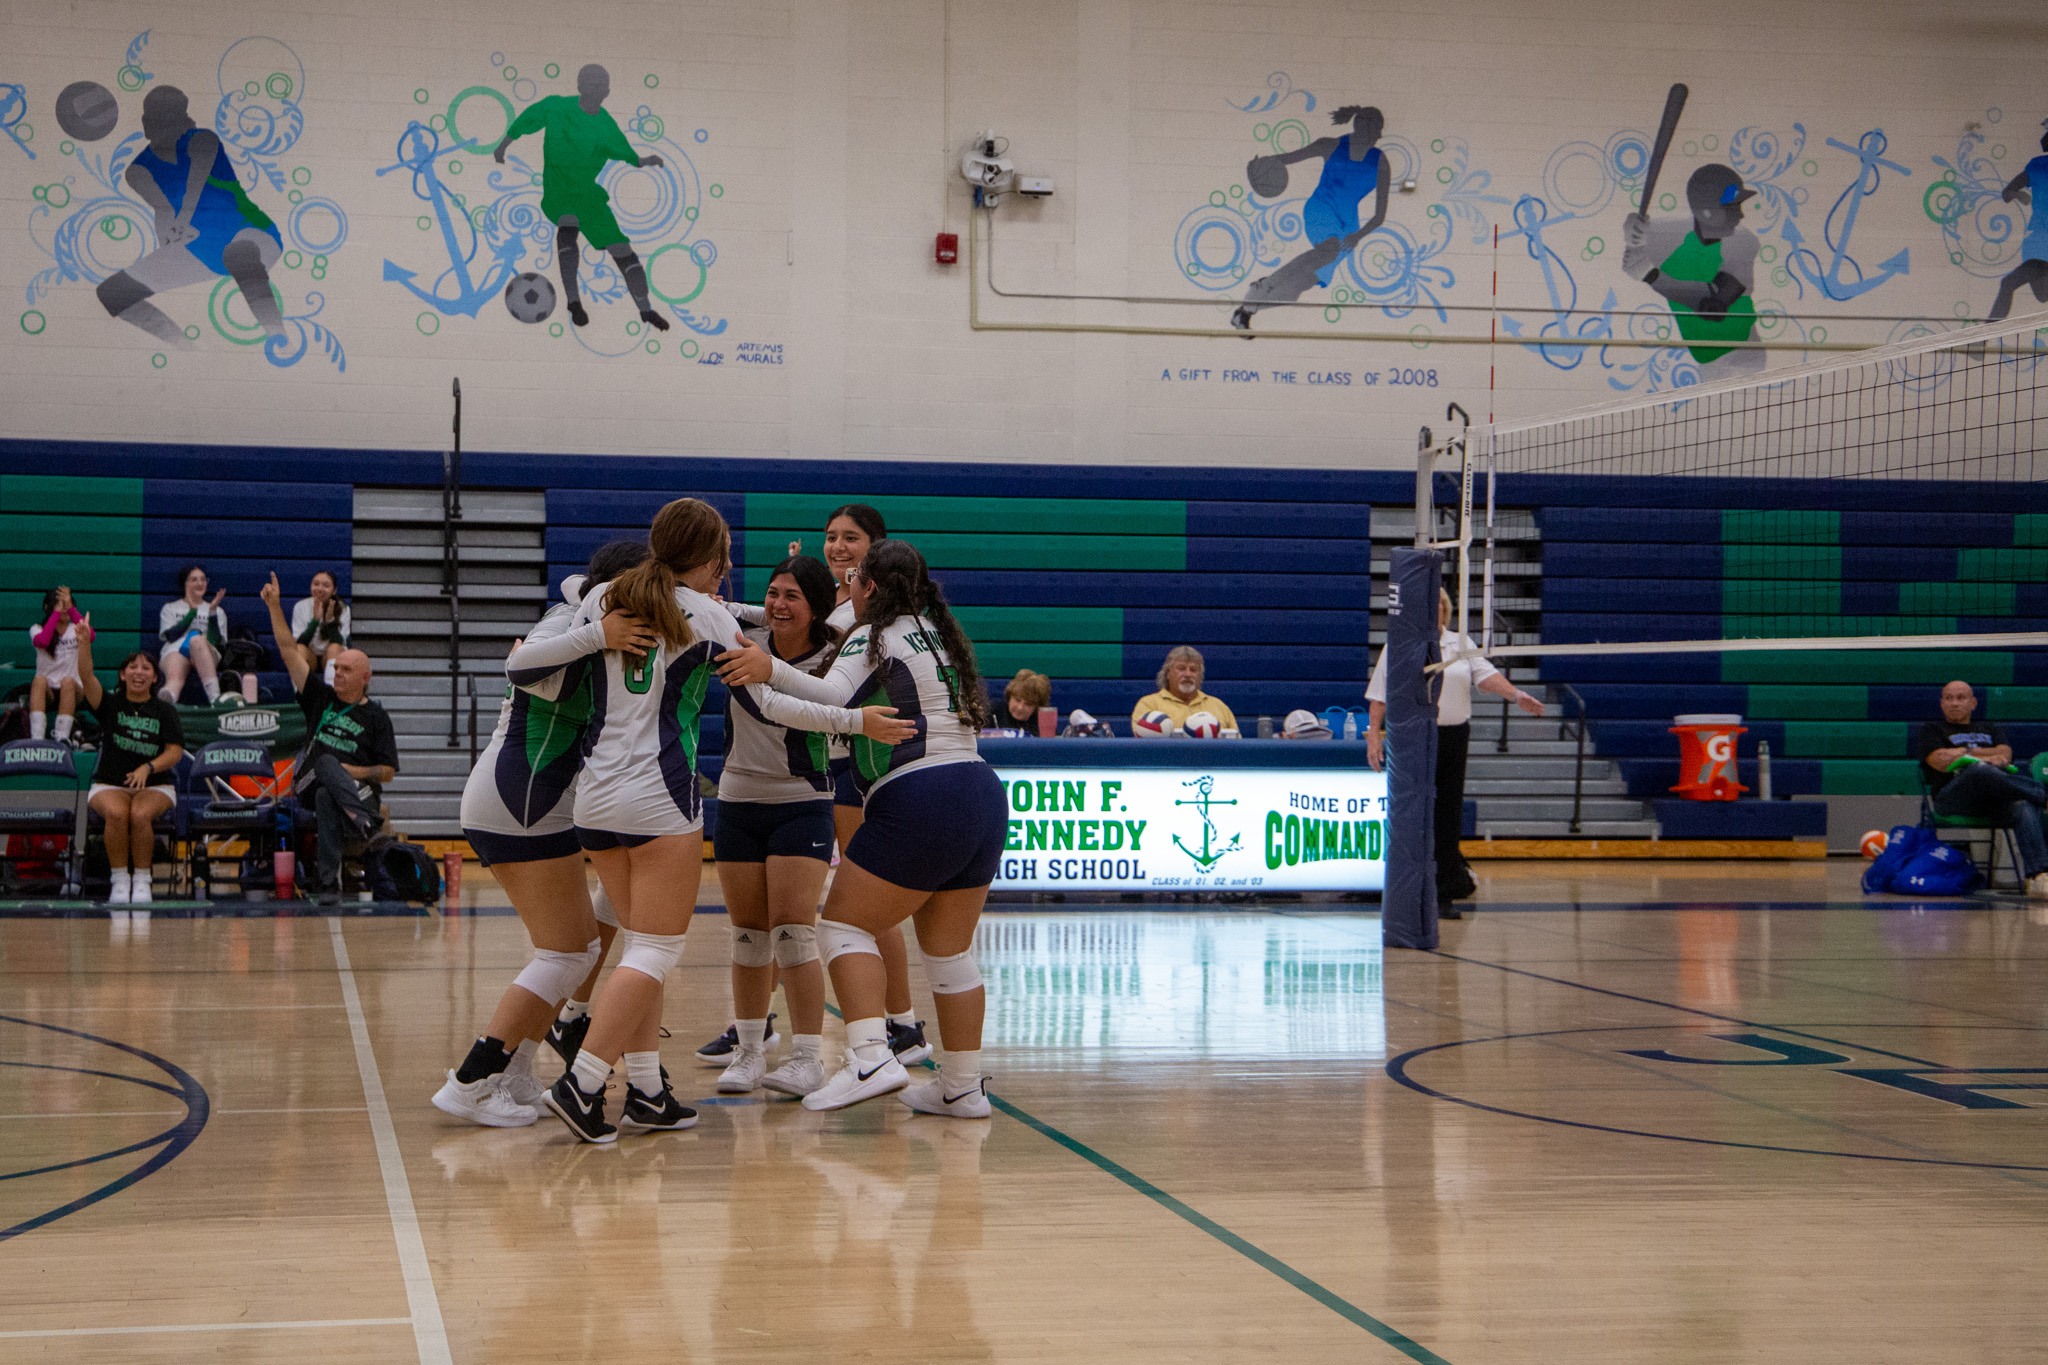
419,148
1804,264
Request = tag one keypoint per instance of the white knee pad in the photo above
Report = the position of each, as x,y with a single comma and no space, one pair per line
836,939
554,976
601,906
751,947
953,975
651,954
795,944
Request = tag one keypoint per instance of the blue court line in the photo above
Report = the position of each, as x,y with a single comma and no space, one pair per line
174,1140
1265,1260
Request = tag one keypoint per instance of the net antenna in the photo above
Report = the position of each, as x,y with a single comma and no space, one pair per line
1457,447
1965,410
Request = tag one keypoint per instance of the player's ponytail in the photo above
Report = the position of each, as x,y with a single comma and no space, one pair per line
686,535
903,586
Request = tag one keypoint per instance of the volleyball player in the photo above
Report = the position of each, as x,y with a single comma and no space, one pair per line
851,530
637,809
775,843
516,815
929,845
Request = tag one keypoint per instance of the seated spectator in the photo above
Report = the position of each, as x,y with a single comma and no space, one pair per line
56,644
351,750
321,624
1026,693
1304,725
194,631
140,742
1180,693
1966,761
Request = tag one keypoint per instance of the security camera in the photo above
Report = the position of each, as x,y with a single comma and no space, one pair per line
984,167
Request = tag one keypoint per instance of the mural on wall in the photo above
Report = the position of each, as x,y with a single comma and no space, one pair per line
596,181
1970,202
1354,169
168,208
2029,187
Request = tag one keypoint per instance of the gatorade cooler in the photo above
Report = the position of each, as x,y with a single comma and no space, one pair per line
1706,757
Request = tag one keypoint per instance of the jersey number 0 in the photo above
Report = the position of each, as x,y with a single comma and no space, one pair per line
639,673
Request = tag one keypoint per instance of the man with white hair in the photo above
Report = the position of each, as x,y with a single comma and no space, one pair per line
1180,693
351,749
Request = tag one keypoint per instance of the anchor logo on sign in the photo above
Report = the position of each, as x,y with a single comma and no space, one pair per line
1210,855
1869,152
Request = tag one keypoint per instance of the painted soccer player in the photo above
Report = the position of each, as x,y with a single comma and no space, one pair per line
206,225
581,136
1705,270
1353,167
2030,186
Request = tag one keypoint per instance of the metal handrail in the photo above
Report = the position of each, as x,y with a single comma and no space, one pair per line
1567,729
451,515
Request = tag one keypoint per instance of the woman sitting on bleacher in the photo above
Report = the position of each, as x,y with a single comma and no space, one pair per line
320,624
56,643
140,742
194,630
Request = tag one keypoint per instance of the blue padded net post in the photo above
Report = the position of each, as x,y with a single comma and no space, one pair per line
1408,906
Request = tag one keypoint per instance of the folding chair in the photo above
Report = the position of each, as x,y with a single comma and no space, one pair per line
1991,829
213,807
42,793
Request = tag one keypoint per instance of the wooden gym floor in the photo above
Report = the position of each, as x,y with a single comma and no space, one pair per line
1703,1112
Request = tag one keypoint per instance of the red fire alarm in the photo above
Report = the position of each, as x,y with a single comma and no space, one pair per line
947,252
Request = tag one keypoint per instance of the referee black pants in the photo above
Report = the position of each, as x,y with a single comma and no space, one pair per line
1453,876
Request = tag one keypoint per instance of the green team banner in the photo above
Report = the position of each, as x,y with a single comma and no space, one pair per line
1171,829
281,726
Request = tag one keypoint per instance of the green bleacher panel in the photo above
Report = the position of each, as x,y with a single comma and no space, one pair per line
1817,702
764,547
64,494
2030,528
907,515
1090,625
1957,599
1766,627
1846,738
2002,566
1773,597
1880,666
1000,661
1780,528
94,533
2017,703
1810,562
84,574
1869,777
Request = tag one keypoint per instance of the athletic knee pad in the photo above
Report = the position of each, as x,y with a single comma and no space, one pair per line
836,940
554,976
795,944
953,975
751,947
651,954
601,906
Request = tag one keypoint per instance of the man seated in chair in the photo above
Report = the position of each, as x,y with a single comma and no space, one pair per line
351,749
1966,761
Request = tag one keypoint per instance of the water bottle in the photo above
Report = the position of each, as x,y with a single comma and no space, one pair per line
1763,770
1265,727
1351,725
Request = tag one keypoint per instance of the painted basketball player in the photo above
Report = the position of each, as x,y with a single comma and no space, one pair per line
1353,167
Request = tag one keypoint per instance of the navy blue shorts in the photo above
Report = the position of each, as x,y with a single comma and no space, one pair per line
844,793
936,829
521,848
598,840
755,831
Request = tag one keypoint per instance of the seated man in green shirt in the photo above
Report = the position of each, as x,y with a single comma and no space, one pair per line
581,137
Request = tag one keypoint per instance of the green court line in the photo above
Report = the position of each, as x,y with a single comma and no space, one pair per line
1343,1308
1406,1345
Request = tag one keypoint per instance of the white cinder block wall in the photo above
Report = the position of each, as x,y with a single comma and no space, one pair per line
831,132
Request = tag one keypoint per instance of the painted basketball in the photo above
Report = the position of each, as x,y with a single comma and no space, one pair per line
1202,725
1875,842
530,297
87,111
1152,725
1267,175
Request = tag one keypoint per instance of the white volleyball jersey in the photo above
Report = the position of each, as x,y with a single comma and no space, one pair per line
771,763
524,782
640,750
911,672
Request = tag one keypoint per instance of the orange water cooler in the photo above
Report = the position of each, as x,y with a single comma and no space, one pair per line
1706,757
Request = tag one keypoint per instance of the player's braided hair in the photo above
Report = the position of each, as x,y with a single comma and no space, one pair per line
685,535
903,586
814,581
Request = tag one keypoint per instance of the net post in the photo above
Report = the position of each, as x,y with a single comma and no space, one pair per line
1408,906
1486,599
1425,471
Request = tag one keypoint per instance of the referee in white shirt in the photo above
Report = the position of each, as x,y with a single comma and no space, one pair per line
1453,733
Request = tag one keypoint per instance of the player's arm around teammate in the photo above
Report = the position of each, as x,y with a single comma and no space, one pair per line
931,840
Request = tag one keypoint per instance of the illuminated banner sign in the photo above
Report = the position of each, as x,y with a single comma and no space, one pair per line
1173,829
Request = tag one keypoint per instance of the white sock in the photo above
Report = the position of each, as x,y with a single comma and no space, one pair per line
118,888
643,1072
39,722
960,1070
63,730
522,1056
590,1072
807,1044
573,1010
867,1040
753,1033
168,695
905,1019
211,687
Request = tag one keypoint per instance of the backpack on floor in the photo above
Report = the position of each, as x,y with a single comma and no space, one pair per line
1916,863
404,872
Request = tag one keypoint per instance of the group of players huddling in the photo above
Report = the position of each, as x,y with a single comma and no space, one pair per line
853,705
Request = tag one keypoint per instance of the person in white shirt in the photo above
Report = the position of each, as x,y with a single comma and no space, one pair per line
194,631
1453,734
321,623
